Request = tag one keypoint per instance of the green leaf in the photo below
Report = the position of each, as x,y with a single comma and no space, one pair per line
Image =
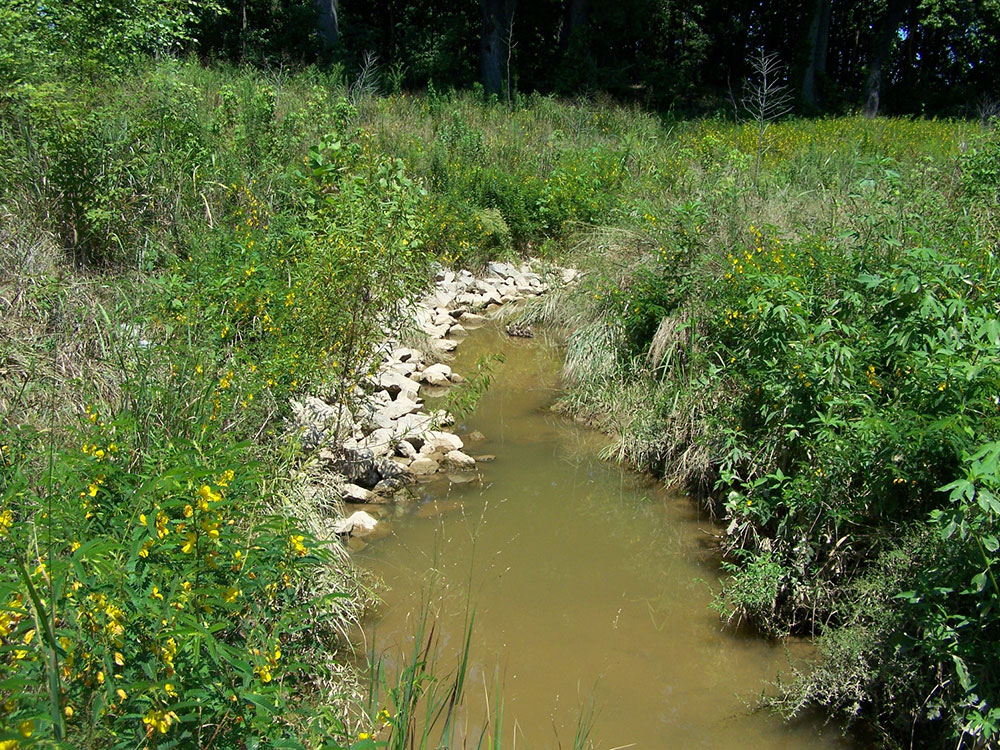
963,673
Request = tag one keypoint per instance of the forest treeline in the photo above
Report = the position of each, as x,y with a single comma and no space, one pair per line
891,56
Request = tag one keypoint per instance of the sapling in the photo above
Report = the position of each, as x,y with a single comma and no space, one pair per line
766,99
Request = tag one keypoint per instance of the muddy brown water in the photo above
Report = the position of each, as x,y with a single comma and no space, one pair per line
591,586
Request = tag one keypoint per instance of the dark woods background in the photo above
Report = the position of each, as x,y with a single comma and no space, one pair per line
893,56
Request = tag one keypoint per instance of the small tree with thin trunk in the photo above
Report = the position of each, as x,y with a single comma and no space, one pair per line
766,98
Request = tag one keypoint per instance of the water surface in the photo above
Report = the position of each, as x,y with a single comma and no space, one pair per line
591,586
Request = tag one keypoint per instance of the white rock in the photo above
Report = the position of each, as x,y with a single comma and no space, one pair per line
396,383
437,374
457,331
405,449
445,345
403,368
436,441
379,442
458,460
357,524
413,425
351,493
402,405
423,465
489,292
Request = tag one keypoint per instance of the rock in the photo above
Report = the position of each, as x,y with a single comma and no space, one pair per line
423,466
456,378
445,346
443,418
358,466
379,398
471,320
388,488
465,478
400,407
412,427
440,442
403,368
568,275
503,270
389,468
458,331
402,354
475,436
357,524
395,383
486,458
458,460
352,493
438,375
405,449
379,442
490,293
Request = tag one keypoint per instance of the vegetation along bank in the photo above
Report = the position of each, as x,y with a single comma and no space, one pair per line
798,322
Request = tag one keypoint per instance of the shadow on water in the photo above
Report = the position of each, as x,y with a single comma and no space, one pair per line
591,585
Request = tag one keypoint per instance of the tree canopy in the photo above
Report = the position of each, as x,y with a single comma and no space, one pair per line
897,56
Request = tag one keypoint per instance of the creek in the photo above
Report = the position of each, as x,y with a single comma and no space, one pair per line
591,586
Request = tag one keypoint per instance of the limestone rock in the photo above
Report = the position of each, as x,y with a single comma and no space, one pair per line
352,493
400,407
458,460
357,524
405,449
395,383
440,442
423,466
438,375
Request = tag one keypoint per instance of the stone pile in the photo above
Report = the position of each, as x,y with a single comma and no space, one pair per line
387,440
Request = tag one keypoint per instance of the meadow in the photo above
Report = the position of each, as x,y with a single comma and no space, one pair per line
812,351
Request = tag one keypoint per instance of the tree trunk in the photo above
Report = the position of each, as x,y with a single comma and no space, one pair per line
327,23
880,54
818,40
574,18
491,45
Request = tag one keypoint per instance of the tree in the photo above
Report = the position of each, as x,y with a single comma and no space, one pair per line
817,41
493,42
881,50
328,23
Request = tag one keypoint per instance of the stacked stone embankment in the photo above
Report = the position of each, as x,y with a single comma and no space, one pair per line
375,448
